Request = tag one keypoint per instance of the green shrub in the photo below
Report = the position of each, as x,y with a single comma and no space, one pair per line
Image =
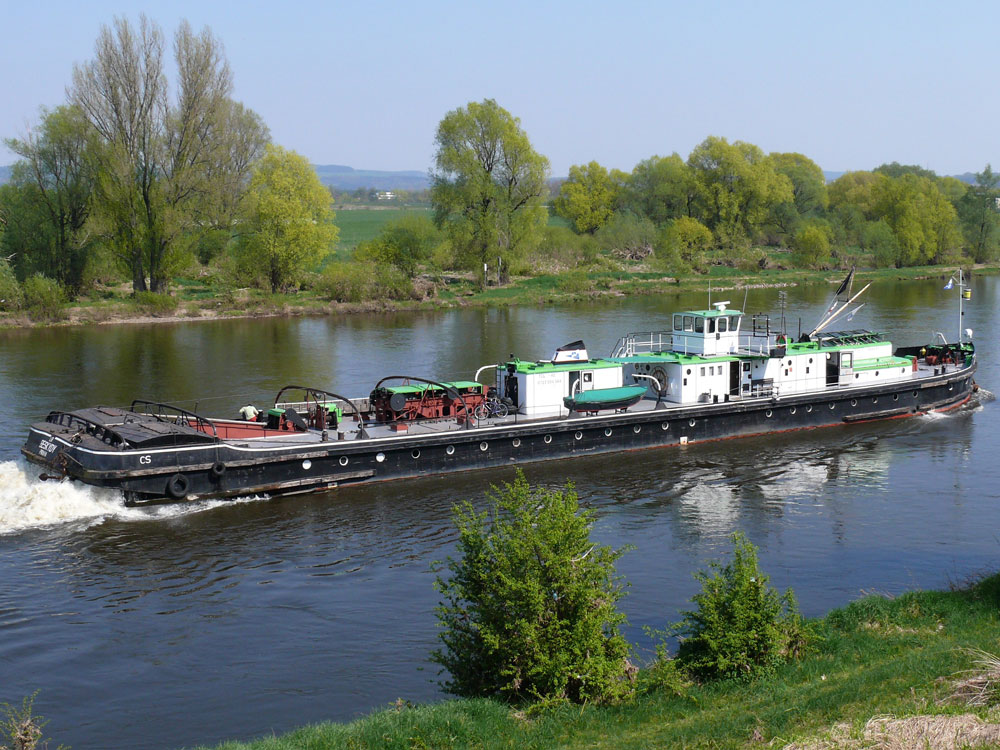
878,239
628,236
155,304
364,282
684,243
11,296
43,298
530,606
812,245
561,247
742,627
574,282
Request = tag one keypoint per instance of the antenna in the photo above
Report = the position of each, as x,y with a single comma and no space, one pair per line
782,301
746,294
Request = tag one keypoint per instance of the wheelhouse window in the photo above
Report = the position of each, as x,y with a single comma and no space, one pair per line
678,323
688,323
723,324
699,325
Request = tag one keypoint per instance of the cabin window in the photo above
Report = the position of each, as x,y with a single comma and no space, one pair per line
723,324
710,325
699,325
688,323
846,359
678,324
746,367
588,377
689,371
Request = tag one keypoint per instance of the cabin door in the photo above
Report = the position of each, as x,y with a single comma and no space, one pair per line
734,378
833,368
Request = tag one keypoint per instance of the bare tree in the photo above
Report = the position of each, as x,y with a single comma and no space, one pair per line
164,158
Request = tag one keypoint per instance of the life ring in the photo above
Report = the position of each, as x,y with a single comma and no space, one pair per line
218,469
177,486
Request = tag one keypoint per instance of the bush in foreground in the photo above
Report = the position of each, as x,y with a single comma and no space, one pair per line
43,298
10,291
742,627
530,608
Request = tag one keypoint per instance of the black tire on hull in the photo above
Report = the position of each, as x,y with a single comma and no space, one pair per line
177,486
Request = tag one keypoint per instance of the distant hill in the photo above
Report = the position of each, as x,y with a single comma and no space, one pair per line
345,178
348,178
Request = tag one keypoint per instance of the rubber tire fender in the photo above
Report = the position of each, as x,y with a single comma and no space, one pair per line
177,486
218,469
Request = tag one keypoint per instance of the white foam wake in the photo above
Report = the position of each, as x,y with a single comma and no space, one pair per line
27,502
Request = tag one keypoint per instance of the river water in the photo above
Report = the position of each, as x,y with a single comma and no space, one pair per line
174,626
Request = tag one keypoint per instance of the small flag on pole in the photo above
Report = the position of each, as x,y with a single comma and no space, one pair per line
845,285
950,284
855,311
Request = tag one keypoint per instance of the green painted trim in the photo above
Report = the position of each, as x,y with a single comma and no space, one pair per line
540,367
882,363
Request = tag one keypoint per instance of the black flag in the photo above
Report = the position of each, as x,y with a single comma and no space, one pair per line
846,285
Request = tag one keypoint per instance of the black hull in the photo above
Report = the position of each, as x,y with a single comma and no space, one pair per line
229,468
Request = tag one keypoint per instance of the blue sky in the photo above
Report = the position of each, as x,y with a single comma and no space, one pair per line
849,84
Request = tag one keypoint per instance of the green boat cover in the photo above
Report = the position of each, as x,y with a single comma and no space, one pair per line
609,395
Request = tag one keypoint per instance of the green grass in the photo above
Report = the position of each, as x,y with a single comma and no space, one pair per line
875,656
361,224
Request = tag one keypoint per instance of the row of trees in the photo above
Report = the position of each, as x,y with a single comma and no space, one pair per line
135,177
727,197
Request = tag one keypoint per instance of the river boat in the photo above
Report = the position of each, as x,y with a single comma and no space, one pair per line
714,373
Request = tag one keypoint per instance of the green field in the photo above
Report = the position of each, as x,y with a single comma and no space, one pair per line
360,224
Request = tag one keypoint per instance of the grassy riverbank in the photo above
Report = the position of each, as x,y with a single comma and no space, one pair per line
877,659
195,299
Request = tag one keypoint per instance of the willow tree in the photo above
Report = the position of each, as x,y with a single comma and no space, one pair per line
52,183
287,223
488,186
737,186
588,197
162,154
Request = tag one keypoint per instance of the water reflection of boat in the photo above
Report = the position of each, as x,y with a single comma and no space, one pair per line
714,374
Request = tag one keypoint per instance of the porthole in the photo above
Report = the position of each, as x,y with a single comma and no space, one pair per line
547,439
607,432
688,371
690,423
854,402
450,450
914,394
809,409
636,429
768,414
343,460
874,399
895,397
484,445
876,373
415,453
951,387
832,407
307,464
810,360
792,410
857,375
665,426
578,435
516,442
380,457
